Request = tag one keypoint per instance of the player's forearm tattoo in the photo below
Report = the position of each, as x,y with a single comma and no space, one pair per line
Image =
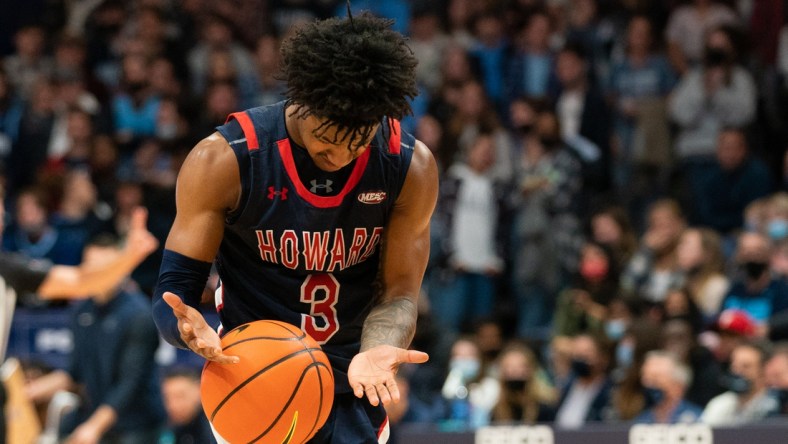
390,323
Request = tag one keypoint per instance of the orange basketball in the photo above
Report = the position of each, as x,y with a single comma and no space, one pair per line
281,391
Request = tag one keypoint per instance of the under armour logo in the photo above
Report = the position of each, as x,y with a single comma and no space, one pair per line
273,192
321,186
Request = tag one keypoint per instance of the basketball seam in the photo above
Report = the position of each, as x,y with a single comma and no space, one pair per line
290,400
254,338
252,377
320,381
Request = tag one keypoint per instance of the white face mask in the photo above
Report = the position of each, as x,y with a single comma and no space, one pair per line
467,367
615,329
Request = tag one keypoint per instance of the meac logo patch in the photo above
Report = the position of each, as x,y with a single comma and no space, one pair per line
372,197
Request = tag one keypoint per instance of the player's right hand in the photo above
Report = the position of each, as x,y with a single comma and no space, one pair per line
196,333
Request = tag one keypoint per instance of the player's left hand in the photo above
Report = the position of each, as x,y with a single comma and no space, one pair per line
371,372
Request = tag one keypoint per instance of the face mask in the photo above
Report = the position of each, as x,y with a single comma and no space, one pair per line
581,368
491,354
777,229
467,368
754,270
593,270
738,384
515,385
548,141
625,354
781,395
653,395
525,128
716,56
615,329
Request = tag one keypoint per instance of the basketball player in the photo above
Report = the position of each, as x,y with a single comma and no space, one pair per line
316,211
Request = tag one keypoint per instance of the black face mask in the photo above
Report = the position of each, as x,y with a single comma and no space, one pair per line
653,395
524,129
549,141
716,57
754,270
515,385
738,384
581,368
781,395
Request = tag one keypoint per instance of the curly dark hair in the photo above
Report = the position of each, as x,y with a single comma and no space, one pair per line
350,71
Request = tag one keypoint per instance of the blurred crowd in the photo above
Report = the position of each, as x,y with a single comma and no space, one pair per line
611,238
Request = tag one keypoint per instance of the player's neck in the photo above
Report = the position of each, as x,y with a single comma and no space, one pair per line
293,125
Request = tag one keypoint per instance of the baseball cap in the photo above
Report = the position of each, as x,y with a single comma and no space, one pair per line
736,321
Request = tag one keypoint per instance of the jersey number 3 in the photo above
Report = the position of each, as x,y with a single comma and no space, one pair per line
320,291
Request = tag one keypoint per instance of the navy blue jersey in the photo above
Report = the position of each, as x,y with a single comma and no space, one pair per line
296,256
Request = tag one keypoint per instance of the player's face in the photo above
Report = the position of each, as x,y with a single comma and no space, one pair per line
328,151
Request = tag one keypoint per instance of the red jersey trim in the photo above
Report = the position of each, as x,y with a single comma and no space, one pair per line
395,137
383,427
248,128
285,152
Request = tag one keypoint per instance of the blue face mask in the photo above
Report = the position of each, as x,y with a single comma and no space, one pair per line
653,395
738,384
625,354
777,229
615,329
468,368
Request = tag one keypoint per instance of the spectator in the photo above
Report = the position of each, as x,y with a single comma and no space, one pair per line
11,111
639,85
583,114
546,235
460,13
588,393
524,396
29,154
732,183
469,389
688,26
747,399
474,115
679,339
611,227
679,304
754,290
584,306
79,216
271,88
653,269
186,422
114,345
716,95
29,63
491,50
217,34
699,256
530,67
776,374
32,235
666,380
777,217
475,209
427,41
778,264
135,107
